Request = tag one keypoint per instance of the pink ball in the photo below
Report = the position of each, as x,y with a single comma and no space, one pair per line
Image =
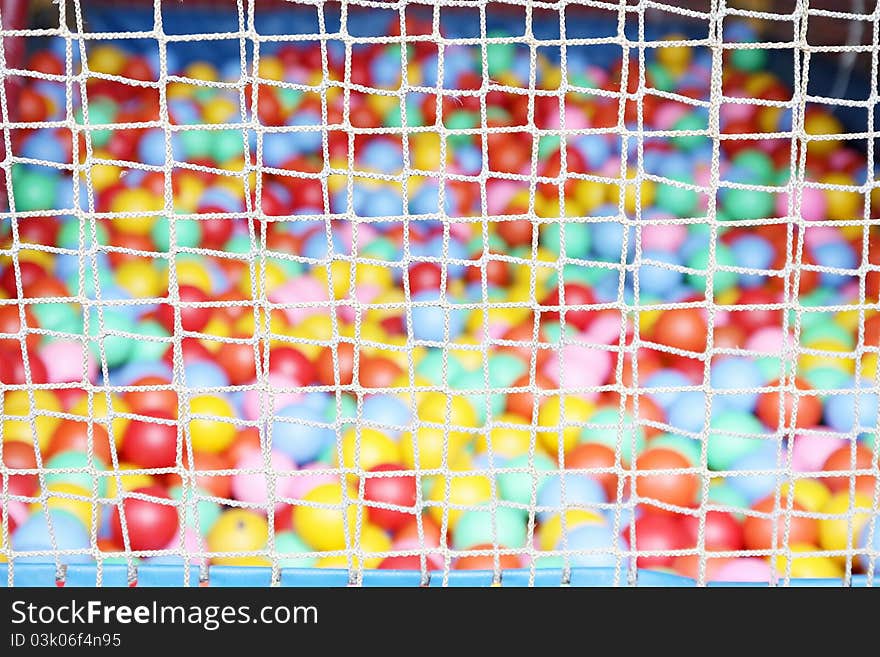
585,367
253,488
251,397
810,451
733,112
745,570
814,205
434,560
306,290
663,237
192,543
64,362
301,484
667,114
499,194
605,329
768,340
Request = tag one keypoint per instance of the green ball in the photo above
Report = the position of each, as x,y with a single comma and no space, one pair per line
61,317
572,273
577,239
553,332
502,526
148,351
83,480
828,331
517,486
749,59
500,57
758,163
461,120
117,348
661,79
745,204
430,366
291,268
414,116
547,145
197,143
347,409
607,432
723,280
690,448
68,234
551,561
474,380
725,449
101,112
227,145
35,189
208,511
771,367
505,369
689,123
289,544
723,494
381,248
187,233
239,244
679,201
289,98
827,378
811,320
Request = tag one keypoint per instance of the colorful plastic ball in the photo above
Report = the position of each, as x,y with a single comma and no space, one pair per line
255,488
840,410
52,532
576,491
453,493
149,523
681,328
732,435
668,488
744,472
151,444
848,458
595,545
620,434
301,432
518,487
599,460
210,433
20,456
791,526
365,448
775,408
808,566
73,435
486,562
58,471
847,516
326,521
201,513
397,491
501,526
561,419
292,551
722,532
235,531
657,533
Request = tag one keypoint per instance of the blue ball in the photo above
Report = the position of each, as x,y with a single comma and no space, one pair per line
429,321
386,410
840,410
184,111
736,374
597,546
204,374
278,148
752,252
596,149
294,433
657,280
427,201
306,141
688,411
382,155
607,241
33,535
44,145
131,372
836,255
380,202
665,378
581,491
870,541
470,159
151,148
756,487
222,199
315,245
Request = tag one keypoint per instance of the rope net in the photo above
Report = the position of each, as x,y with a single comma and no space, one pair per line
444,285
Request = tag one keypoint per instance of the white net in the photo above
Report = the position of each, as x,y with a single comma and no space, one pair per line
441,286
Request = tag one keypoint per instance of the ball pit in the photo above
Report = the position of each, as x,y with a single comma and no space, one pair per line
523,346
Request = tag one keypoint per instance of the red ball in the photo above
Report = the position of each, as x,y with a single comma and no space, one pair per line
509,152
152,402
19,455
681,328
722,532
377,372
516,232
32,107
73,436
399,491
151,444
575,295
485,561
409,532
215,232
588,456
207,478
424,277
150,524
12,367
756,318
758,531
809,407
657,533
670,488
841,460
192,318
345,364
522,403
293,364
238,361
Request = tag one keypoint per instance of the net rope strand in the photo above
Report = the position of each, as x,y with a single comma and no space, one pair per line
77,44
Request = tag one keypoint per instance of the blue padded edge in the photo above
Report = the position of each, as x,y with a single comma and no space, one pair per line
397,578
457,578
314,577
649,578
239,576
29,574
86,575
544,577
165,575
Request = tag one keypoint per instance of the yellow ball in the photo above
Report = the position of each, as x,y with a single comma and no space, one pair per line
17,414
189,192
368,448
809,493
565,412
270,68
201,71
645,198
130,481
100,413
843,204
841,533
809,565
550,531
506,441
140,278
448,410
103,176
275,277
811,361
106,59
590,194
457,489
239,530
675,59
211,434
424,152
192,272
869,366
323,527
430,441
219,110
71,498
822,124
138,200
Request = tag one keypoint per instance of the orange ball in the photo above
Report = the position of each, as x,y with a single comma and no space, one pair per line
589,456
681,328
809,407
345,363
758,531
150,402
485,561
670,488
238,361
377,372
73,436
841,460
